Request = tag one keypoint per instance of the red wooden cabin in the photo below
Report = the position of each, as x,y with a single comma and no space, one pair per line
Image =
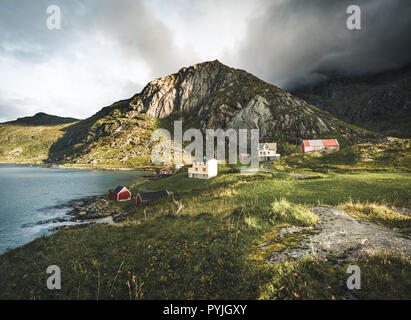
120,194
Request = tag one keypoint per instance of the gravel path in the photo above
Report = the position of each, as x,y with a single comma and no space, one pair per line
345,237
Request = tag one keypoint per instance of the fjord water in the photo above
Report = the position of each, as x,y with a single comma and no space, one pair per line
28,194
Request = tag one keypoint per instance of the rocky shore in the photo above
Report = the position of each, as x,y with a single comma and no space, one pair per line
86,211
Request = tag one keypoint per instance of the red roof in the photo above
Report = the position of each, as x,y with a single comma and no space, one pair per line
330,143
306,143
321,143
119,189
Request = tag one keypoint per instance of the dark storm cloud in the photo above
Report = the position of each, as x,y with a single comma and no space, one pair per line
299,41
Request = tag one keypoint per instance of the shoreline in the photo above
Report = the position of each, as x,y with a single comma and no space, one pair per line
89,210
85,210
79,213
80,167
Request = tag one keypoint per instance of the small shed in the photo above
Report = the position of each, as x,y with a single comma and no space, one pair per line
143,197
120,194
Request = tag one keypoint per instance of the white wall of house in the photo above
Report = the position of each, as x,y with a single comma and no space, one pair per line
203,170
212,168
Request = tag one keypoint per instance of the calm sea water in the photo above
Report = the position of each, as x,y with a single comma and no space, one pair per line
28,193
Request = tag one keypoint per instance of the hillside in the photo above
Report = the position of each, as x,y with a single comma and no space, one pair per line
381,103
390,154
115,136
207,95
28,144
28,139
42,119
213,95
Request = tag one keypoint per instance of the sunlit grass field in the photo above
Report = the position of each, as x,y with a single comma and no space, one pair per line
28,143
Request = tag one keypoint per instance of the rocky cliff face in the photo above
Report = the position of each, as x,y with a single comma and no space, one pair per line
381,102
208,95
212,95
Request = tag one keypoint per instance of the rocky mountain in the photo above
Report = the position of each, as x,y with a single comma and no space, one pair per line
380,103
212,95
42,119
206,95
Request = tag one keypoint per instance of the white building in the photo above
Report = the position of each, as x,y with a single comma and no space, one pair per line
203,169
267,151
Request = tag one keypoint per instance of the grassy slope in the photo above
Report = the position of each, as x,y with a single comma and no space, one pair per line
100,145
210,250
391,155
114,137
20,143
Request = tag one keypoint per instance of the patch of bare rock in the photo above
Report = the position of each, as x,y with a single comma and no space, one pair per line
343,236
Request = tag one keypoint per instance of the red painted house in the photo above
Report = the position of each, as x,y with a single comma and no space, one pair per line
325,145
120,194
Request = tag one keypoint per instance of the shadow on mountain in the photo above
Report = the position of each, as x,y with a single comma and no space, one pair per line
80,135
380,102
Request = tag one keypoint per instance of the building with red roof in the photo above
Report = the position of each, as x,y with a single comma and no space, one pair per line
320,146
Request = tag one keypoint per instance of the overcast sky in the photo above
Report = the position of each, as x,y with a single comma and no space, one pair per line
108,50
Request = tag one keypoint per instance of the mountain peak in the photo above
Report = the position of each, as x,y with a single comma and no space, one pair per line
207,95
42,119
200,65
213,95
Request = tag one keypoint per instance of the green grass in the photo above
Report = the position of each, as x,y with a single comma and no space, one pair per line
391,155
27,144
308,278
283,211
378,214
209,250
383,276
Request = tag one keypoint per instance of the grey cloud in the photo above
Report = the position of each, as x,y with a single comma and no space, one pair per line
296,41
23,30
139,33
132,25
128,30
12,108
